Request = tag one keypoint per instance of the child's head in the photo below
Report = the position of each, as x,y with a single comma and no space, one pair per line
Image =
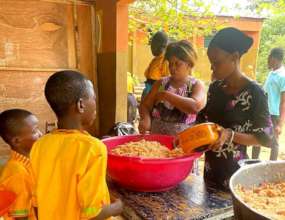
19,128
275,58
159,43
182,57
71,95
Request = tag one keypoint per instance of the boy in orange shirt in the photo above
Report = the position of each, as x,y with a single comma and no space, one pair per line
69,164
19,129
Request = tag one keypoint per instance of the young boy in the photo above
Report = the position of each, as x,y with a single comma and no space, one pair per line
19,129
158,67
69,164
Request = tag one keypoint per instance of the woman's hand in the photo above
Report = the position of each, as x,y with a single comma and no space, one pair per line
224,136
145,125
161,96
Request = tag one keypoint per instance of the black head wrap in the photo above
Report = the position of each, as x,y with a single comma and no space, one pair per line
231,40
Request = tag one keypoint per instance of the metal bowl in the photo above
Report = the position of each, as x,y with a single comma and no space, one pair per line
250,175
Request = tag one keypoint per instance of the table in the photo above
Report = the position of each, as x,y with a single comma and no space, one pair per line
190,200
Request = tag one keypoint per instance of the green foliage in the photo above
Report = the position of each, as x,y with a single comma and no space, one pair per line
271,6
273,32
273,35
181,19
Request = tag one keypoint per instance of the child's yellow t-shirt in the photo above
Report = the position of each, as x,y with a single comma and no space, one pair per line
17,177
157,68
70,174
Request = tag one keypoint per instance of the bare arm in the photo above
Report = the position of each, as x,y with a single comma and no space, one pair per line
245,139
189,105
148,102
282,108
113,209
281,122
238,138
146,108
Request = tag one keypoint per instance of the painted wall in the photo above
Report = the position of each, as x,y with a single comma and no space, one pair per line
140,54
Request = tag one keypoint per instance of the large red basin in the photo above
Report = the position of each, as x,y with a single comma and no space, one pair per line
147,175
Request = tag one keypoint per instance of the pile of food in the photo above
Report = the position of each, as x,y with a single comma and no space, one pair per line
267,199
146,149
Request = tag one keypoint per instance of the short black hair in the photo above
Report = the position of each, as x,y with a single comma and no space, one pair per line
65,88
277,53
11,121
160,38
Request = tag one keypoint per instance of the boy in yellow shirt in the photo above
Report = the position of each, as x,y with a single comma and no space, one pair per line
69,164
19,129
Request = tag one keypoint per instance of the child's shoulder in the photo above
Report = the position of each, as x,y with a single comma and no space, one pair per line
91,144
13,168
68,134
90,140
83,139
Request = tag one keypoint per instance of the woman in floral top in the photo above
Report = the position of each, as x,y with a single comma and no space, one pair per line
173,103
237,104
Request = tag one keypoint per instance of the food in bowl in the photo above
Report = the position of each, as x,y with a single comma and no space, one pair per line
267,199
146,149
147,175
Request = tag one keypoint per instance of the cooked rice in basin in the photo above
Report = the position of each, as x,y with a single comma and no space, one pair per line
146,149
268,199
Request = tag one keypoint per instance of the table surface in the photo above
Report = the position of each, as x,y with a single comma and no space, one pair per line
190,200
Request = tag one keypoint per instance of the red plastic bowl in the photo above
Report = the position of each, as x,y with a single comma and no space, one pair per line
6,200
147,175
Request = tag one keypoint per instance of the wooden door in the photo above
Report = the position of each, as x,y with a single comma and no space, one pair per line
38,38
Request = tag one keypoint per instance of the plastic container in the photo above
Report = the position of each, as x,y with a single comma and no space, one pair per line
6,200
147,175
198,137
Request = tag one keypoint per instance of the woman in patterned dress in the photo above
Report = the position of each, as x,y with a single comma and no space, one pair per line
236,103
174,101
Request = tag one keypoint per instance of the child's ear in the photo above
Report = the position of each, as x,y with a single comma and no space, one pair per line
236,56
80,106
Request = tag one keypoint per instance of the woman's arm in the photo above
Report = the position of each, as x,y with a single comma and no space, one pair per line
146,108
238,138
245,139
188,105
261,131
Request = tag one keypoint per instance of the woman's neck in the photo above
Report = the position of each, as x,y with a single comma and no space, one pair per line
235,80
179,82
235,83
